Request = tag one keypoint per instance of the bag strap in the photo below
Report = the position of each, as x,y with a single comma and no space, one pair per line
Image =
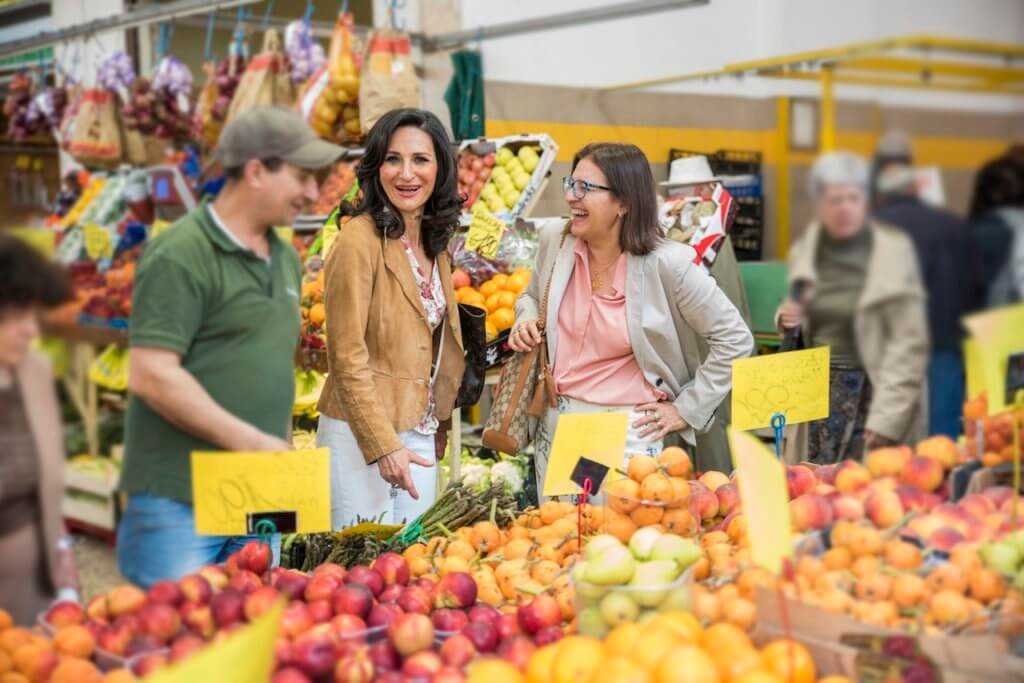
547,286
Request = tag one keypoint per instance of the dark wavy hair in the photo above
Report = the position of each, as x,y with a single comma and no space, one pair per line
629,175
999,183
441,213
28,280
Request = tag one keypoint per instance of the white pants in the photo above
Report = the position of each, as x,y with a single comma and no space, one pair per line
546,435
358,492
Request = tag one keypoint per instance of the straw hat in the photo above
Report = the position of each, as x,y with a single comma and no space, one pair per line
690,171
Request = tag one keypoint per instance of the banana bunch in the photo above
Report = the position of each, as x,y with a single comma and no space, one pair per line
308,385
110,369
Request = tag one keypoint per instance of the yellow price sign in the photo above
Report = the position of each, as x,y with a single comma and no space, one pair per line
233,492
999,336
246,656
600,437
98,244
765,498
974,366
484,237
794,383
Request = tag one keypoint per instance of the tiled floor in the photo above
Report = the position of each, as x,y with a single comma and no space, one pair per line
97,566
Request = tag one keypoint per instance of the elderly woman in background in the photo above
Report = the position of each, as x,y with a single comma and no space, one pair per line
31,439
865,300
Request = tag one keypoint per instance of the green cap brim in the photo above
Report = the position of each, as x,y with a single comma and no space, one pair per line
315,154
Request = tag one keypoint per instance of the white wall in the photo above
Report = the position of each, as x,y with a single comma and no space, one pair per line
82,58
706,38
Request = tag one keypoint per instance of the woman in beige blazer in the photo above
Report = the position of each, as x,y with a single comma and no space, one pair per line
31,438
626,311
865,300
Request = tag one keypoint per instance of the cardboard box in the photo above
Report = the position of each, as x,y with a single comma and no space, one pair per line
538,178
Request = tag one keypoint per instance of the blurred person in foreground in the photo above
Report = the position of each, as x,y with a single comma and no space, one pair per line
997,229
867,303
949,274
215,323
32,532
623,305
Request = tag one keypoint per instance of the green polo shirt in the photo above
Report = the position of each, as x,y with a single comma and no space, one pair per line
234,319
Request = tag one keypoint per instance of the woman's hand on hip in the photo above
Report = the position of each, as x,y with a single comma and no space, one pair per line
658,420
524,336
791,314
394,468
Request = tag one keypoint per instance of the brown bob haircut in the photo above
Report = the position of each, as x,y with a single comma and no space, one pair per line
629,175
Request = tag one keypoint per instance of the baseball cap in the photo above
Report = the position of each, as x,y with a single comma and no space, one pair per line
265,132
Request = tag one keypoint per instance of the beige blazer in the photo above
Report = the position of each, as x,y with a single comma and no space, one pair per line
669,302
35,378
891,331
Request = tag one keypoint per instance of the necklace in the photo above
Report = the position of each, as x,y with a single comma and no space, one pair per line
597,279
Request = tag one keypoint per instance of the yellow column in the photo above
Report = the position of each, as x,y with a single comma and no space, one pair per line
782,178
828,111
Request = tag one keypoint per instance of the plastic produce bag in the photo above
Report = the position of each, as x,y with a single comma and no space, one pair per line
222,79
305,55
110,369
266,81
388,78
329,100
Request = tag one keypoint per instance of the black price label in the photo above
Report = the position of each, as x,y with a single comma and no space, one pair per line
589,469
1014,377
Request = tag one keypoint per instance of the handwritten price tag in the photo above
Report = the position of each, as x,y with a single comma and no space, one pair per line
98,244
763,492
793,383
484,237
228,488
246,655
601,437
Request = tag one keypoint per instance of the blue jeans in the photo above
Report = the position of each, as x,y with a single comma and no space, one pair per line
157,540
945,392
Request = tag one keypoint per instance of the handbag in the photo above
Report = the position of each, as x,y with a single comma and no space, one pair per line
473,321
525,389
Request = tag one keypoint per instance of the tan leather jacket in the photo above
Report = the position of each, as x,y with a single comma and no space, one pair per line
380,348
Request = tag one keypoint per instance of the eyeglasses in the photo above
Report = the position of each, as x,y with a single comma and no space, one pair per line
580,188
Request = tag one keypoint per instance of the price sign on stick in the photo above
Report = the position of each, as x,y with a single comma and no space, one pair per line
600,437
234,492
999,336
793,384
763,493
246,655
974,366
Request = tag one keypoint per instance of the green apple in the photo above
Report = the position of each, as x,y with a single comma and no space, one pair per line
651,581
641,543
510,197
500,174
680,599
515,166
495,204
671,547
489,190
598,544
591,623
521,180
615,566
1002,556
529,161
618,607
503,156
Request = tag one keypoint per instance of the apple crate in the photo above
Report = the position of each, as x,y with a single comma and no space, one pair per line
531,192
601,608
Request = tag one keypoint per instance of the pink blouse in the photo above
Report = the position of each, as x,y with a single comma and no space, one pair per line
594,361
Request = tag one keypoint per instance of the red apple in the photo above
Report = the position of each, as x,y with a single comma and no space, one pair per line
184,646
484,635
124,600
703,501
546,636
231,565
924,473
483,612
415,599
851,477
810,511
165,592
423,664
449,620
296,619
411,633
244,581
799,480
130,622
391,593
977,505
321,587
228,606
282,651
384,656
198,618
367,577
457,651
447,674
97,609
508,626
160,621
196,589
538,614
255,556
217,577
884,509
355,668
65,613
330,569
290,675
383,614
425,583
945,538
826,474
352,598
148,664
321,611
292,584
728,498
998,494
142,643
115,639
517,651
455,590
847,507
393,568
260,601
348,627
391,677
313,655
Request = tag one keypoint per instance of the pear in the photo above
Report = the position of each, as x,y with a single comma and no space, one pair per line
530,162
584,589
521,180
678,599
598,544
671,547
591,623
615,566
1002,556
642,542
618,607
651,581
503,156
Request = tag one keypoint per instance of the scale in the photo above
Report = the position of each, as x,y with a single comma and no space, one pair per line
171,194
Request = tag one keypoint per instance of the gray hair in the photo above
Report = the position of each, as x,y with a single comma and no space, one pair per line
837,168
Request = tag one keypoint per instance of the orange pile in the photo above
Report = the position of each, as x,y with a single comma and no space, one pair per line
312,305
997,431
497,296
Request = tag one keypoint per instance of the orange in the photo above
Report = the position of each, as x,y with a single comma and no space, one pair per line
837,558
735,663
680,522
908,590
645,515
724,637
623,495
517,282
503,318
506,299
707,606
640,466
500,280
317,314
741,612
541,663
474,298
687,664
493,302
5,620
790,660
622,639
76,641
71,670
683,624
5,662
620,526
578,658
657,488
488,288
655,642
902,555
675,462
621,670
490,330
680,492
947,577
757,676
493,670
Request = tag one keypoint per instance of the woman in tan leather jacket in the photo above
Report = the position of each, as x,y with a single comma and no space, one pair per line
394,343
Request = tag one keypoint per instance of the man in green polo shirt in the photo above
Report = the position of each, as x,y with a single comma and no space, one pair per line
215,323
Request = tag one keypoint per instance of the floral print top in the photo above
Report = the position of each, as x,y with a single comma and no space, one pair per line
434,304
